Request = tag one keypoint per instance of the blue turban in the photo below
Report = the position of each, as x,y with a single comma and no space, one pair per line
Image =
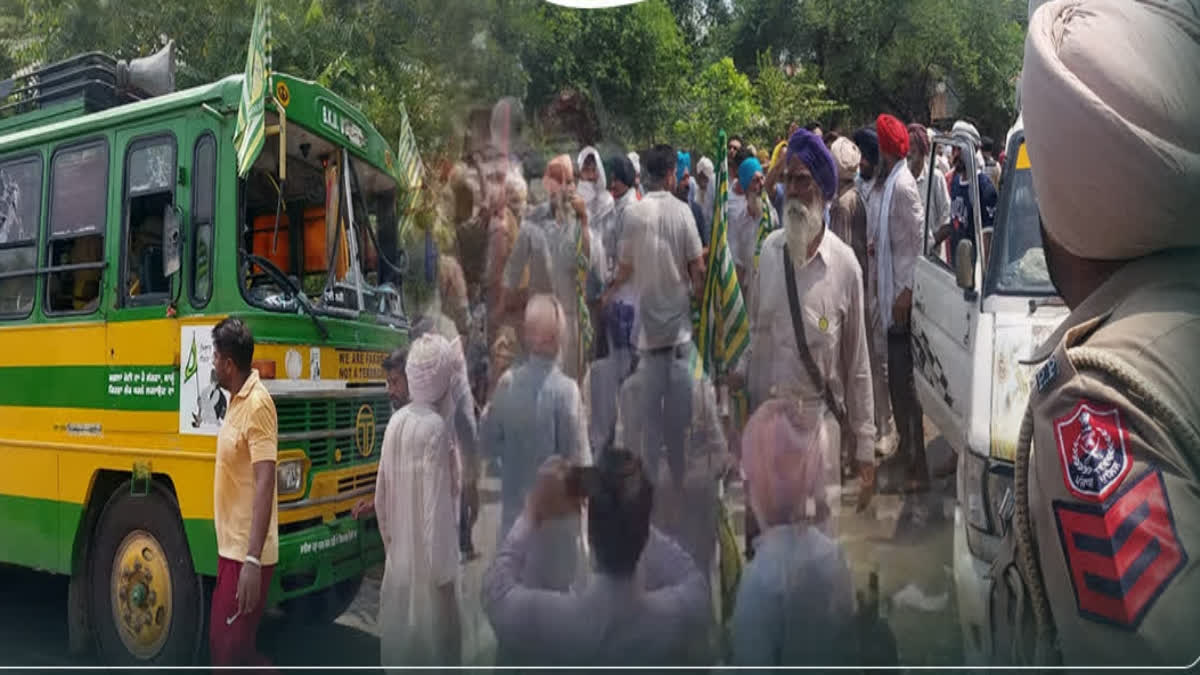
810,149
868,144
746,171
683,164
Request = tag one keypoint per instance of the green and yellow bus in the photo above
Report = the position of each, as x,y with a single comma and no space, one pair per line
125,236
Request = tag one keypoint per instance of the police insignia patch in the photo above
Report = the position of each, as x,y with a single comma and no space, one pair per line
1091,448
1121,554
1047,374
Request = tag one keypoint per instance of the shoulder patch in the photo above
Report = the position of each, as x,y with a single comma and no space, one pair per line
1047,374
1122,554
1091,449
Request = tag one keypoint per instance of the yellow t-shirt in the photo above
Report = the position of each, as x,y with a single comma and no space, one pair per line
249,434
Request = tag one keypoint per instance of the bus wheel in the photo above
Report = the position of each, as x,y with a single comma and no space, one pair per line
324,607
145,595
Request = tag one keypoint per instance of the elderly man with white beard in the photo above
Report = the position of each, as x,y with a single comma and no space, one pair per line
808,340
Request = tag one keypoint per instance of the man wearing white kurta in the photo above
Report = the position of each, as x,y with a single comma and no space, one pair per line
416,502
828,284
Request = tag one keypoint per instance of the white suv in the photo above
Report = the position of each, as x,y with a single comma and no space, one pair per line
974,318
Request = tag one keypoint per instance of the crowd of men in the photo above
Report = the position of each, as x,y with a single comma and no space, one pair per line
566,323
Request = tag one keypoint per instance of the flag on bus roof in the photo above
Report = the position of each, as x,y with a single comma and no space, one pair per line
250,133
723,330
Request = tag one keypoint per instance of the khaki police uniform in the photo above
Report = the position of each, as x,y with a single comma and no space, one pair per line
1113,496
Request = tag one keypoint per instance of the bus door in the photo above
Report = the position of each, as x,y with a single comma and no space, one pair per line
142,332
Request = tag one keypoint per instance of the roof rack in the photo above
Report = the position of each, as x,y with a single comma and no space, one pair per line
94,81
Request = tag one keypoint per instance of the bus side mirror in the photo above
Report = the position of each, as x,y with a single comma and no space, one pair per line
172,240
964,265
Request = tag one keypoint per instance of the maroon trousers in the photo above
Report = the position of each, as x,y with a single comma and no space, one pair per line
235,643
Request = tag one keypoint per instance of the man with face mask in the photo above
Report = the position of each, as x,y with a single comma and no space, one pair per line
827,328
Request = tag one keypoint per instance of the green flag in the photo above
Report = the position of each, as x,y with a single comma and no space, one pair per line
193,364
723,333
250,134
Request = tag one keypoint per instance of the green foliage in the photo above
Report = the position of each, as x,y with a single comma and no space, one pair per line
659,70
784,98
721,98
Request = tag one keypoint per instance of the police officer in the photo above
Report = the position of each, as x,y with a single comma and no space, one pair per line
1103,558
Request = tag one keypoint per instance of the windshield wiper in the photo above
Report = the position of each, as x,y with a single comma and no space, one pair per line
286,284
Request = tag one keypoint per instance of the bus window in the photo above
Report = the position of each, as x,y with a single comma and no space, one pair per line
203,205
20,212
78,206
149,190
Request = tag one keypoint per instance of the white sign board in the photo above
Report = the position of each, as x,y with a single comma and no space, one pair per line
202,402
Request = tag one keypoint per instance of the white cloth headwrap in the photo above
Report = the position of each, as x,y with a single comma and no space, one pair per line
1111,96
884,278
601,182
637,162
847,157
429,368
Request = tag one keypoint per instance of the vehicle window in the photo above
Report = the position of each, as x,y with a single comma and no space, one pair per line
1018,264
78,204
20,212
149,192
203,205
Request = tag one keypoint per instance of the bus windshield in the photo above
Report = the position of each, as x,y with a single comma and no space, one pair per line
311,241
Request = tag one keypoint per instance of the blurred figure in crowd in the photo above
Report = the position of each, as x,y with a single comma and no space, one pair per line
795,599
553,248
848,214
706,191
416,504
646,602
931,192
661,256
684,190
536,412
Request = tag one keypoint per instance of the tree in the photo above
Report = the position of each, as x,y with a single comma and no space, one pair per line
783,98
721,98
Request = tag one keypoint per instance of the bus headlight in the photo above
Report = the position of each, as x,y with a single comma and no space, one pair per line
289,477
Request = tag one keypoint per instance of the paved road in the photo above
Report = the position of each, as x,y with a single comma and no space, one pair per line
885,539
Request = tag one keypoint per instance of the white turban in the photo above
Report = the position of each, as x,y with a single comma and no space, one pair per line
705,167
1111,95
429,368
847,157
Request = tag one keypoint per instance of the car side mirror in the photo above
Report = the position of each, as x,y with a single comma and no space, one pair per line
172,240
964,265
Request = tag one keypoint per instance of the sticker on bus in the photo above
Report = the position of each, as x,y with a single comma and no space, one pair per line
202,402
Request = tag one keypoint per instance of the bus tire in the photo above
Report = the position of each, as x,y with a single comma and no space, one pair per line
324,607
145,596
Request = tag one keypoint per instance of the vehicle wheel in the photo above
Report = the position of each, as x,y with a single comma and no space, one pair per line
324,607
145,596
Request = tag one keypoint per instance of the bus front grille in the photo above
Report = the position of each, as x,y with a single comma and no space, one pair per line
322,427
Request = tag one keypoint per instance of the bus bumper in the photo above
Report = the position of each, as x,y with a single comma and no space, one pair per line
320,556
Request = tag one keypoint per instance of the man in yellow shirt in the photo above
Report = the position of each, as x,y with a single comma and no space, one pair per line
244,501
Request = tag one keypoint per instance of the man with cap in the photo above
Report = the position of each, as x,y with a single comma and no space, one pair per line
1101,556
848,214
895,222
826,327
962,215
706,191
